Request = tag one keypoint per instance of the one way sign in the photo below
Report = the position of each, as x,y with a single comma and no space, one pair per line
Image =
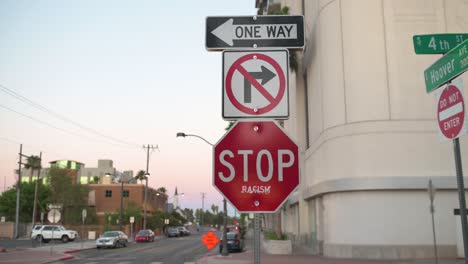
254,32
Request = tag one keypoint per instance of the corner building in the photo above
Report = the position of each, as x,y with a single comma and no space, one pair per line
368,131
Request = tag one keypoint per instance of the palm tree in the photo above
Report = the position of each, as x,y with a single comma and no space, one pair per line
215,209
140,176
33,163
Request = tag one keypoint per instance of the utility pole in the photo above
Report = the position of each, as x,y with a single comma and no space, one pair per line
203,208
18,191
36,190
148,147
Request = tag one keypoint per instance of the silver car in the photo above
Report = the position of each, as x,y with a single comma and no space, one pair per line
112,239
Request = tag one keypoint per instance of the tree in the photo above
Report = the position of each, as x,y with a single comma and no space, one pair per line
95,180
8,202
189,214
33,163
140,176
215,209
162,190
72,197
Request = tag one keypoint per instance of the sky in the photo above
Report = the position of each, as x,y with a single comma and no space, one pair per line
87,80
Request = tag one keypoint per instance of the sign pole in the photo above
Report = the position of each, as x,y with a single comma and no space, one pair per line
432,191
256,238
461,195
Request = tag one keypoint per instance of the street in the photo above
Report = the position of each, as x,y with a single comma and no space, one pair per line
165,250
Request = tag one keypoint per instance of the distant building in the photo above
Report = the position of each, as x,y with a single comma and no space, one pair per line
81,173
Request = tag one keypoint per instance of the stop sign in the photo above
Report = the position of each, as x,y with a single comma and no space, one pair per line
256,166
451,111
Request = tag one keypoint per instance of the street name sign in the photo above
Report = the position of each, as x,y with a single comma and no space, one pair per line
256,166
254,32
437,43
451,110
452,64
255,84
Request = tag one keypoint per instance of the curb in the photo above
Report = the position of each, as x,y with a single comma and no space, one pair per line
72,251
67,257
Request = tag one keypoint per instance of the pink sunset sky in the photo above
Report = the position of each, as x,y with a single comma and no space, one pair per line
110,77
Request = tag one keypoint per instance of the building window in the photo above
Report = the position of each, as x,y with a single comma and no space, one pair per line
108,193
126,193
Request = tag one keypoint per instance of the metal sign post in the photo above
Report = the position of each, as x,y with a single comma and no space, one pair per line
83,218
461,195
431,189
132,220
257,238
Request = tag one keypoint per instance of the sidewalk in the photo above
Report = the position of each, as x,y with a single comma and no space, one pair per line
45,254
247,257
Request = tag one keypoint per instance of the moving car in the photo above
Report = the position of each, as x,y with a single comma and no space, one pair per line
144,235
172,232
112,239
234,242
45,233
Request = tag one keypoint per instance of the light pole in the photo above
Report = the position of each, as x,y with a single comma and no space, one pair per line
224,251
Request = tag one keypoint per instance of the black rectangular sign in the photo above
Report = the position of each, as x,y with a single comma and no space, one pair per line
254,32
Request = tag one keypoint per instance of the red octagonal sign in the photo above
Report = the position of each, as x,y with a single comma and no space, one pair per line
451,111
256,166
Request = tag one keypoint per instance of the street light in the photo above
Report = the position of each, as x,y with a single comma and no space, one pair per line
224,251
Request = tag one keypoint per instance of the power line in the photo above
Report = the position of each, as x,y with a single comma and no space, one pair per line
52,126
31,146
65,119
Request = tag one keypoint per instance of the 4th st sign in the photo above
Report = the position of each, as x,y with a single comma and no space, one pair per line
254,32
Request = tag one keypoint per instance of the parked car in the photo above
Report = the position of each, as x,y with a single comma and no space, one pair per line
144,235
112,239
234,242
172,232
46,233
234,228
183,231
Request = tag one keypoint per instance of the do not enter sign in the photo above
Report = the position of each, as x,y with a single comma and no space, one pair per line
451,111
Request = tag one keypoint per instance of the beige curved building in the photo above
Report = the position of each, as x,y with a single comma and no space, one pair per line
368,133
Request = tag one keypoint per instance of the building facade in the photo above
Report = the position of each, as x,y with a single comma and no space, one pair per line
106,198
368,131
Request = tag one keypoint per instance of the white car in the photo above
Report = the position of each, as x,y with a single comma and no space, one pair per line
45,233
112,239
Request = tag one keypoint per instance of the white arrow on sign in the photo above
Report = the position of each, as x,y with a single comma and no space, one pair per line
228,32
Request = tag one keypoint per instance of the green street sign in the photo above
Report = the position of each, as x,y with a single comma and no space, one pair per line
437,43
452,64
